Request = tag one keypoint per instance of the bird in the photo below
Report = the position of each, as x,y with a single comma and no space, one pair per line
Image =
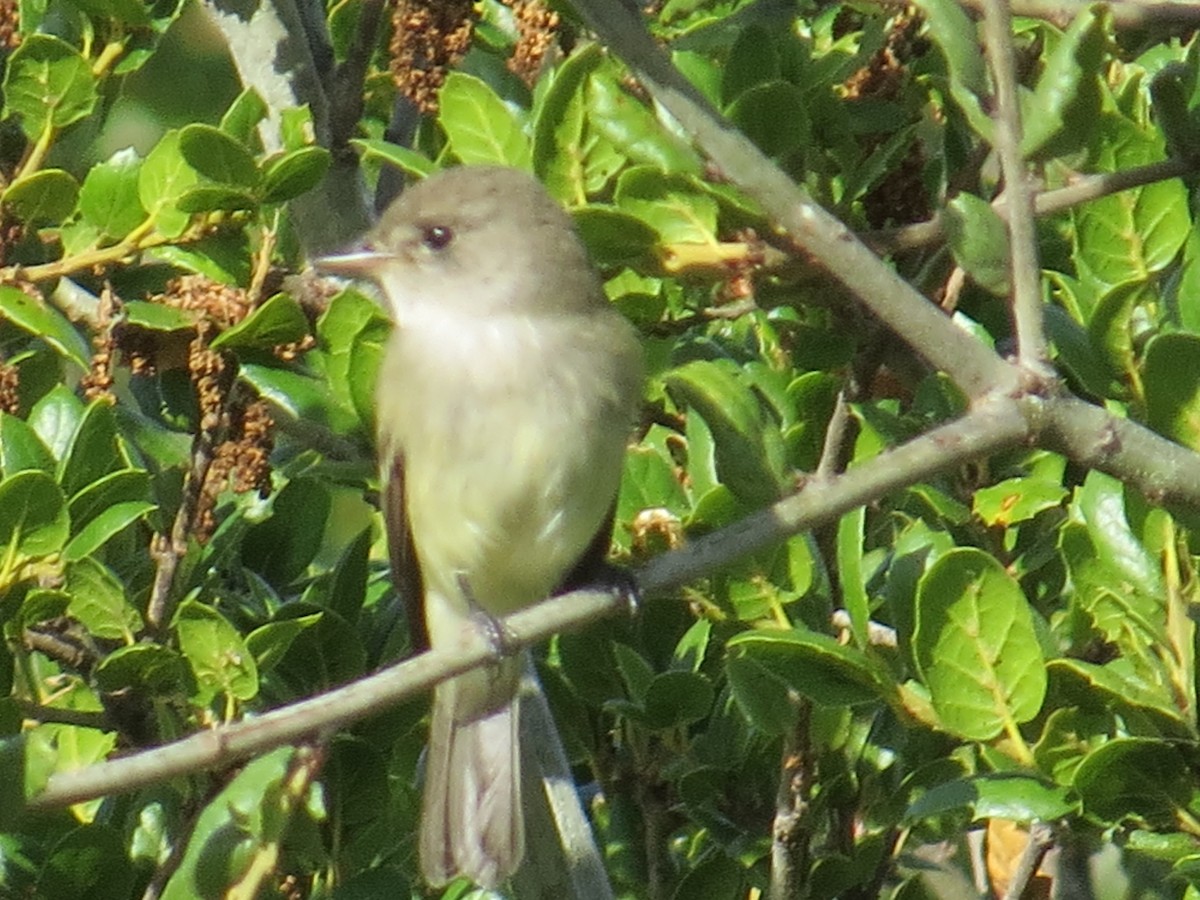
506,398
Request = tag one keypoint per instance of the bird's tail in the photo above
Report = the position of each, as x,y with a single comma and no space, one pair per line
471,822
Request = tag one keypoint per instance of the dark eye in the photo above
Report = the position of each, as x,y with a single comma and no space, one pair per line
437,237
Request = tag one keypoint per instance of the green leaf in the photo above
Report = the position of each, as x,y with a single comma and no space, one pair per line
976,647
614,237
93,449
747,447
124,486
852,574
164,178
152,669
48,85
215,197
214,649
294,173
1065,106
633,129
1102,506
108,199
753,61
956,35
672,205
270,643
88,863
757,112
1107,688
217,155
480,128
242,119
21,448
979,241
158,317
131,12
1172,386
403,158
1002,795
353,331
559,126
236,829
47,197
814,665
44,321
281,547
98,601
33,516
677,699
279,320
1016,500
303,396
1142,779
1128,236
104,527
55,418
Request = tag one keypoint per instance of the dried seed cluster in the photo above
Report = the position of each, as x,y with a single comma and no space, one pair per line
538,26
428,38
10,24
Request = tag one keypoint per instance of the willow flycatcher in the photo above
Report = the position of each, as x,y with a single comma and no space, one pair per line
505,400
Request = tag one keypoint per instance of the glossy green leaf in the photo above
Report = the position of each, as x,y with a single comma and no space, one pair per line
1011,796
21,448
48,84
1113,687
559,127
633,129
979,241
753,61
243,117
677,699
214,649
747,449
672,206
614,237
1130,235
115,488
104,527
44,321
277,321
1016,500
481,129
47,197
148,668
55,418
108,199
217,155
270,643
158,317
93,449
98,601
300,395
164,178
215,197
774,117
33,516
1142,779
1172,386
294,173
956,35
975,645
852,573
1065,106
403,158
281,547
814,665
88,863
130,12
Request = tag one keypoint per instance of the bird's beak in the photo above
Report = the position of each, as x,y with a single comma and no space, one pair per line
356,262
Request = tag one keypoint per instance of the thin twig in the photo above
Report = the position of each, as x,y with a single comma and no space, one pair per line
1023,252
791,830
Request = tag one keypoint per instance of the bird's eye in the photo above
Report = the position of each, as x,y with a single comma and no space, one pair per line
437,237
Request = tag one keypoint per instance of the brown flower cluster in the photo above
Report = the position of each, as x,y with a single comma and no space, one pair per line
428,38
10,383
538,26
10,24
98,381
